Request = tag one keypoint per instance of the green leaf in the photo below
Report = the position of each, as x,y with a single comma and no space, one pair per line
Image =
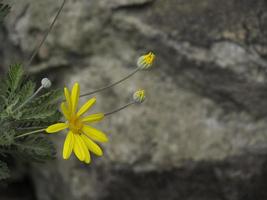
27,91
49,98
12,105
39,122
4,171
3,93
39,113
2,103
36,148
4,10
7,137
15,76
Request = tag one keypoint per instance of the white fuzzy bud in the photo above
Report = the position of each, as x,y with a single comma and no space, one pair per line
46,83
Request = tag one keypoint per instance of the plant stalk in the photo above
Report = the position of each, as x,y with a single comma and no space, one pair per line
30,133
111,85
46,34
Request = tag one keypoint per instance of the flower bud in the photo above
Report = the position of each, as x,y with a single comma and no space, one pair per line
146,61
46,83
139,96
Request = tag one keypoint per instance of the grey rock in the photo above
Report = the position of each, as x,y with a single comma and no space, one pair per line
201,134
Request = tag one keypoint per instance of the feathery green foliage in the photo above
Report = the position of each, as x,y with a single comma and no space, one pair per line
4,171
15,77
35,148
4,10
42,111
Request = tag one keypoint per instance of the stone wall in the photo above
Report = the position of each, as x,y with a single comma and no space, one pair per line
201,134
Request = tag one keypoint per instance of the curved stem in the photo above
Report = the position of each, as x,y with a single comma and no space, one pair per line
111,85
28,100
30,133
46,34
119,109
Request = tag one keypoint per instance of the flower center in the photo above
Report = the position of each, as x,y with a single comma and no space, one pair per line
149,59
75,125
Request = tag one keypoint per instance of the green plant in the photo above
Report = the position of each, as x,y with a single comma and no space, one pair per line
4,10
15,89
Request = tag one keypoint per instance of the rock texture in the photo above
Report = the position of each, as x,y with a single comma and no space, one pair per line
202,133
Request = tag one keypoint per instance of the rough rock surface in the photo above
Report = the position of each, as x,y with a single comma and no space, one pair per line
202,132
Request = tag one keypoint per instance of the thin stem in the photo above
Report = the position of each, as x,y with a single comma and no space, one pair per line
119,109
28,100
46,34
111,85
30,133
29,128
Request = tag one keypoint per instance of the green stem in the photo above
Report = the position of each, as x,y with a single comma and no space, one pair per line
119,109
28,100
46,34
30,133
111,85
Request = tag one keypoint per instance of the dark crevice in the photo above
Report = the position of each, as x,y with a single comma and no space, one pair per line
19,189
230,179
134,6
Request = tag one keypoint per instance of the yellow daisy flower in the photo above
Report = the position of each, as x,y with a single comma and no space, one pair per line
81,136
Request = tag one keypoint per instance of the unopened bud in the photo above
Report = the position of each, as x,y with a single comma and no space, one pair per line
139,96
46,83
146,61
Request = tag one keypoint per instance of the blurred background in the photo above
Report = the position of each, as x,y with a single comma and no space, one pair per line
201,134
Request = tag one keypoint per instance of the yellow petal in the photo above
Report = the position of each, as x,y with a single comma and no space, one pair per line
93,118
86,107
68,145
78,148
87,158
56,127
65,111
68,99
92,146
75,93
94,134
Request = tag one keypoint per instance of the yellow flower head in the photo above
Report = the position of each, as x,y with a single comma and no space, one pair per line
81,136
146,61
139,96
